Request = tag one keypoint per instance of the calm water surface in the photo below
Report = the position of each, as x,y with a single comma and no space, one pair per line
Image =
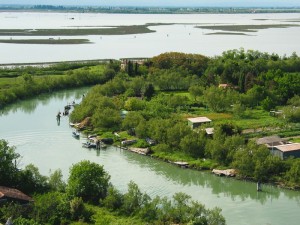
31,127
182,37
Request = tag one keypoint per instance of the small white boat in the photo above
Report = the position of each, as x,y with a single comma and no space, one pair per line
89,145
75,134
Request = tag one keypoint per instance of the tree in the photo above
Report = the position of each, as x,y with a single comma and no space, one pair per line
88,180
31,181
218,99
50,208
134,104
55,181
78,210
8,170
196,91
193,144
293,174
180,212
107,118
149,91
109,74
113,200
134,199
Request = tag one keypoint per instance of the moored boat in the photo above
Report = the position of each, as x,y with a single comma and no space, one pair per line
75,134
89,145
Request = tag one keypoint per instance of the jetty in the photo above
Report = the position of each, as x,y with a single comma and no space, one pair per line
141,151
227,173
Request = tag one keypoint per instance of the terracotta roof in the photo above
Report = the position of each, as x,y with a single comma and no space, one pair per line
6,192
289,147
199,120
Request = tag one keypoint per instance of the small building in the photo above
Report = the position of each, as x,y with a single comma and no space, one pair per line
13,195
198,121
271,141
287,150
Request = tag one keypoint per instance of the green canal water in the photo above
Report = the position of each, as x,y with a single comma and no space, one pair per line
31,126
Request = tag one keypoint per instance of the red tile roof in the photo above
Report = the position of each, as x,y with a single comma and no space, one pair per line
289,147
6,192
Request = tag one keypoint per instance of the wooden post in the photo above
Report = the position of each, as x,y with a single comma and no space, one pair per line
258,186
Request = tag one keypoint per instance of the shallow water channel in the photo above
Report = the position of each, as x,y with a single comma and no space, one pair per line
31,126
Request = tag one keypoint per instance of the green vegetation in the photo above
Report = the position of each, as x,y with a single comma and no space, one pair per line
119,30
149,10
187,85
260,97
19,83
246,28
225,33
46,41
89,198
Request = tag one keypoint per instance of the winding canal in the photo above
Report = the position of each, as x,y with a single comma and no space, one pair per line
31,126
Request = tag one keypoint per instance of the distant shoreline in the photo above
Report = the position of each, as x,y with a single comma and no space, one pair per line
145,10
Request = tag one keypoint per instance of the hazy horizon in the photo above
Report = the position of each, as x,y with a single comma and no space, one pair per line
161,3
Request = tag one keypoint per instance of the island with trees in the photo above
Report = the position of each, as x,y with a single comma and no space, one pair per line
246,95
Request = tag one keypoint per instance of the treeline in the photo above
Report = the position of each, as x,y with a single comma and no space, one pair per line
153,10
21,83
160,94
88,197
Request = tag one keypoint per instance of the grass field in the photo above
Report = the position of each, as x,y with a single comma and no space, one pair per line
251,119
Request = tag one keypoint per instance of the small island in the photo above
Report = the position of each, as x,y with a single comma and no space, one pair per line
236,115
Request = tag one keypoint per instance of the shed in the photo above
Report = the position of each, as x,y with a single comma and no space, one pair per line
12,194
197,121
287,150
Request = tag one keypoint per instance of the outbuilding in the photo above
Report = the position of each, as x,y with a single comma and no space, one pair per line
198,121
287,150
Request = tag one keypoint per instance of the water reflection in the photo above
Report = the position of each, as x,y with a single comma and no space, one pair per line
229,187
30,105
41,142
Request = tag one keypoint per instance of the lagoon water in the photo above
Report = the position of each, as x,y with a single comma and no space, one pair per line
31,126
182,36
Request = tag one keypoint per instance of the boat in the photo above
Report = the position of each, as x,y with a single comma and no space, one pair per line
89,145
75,134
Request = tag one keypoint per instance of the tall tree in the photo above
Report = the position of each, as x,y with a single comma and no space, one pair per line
8,169
88,180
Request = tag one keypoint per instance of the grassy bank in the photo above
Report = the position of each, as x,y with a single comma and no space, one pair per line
49,41
246,28
24,82
119,30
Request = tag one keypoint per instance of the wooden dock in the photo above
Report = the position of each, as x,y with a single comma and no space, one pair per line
141,151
